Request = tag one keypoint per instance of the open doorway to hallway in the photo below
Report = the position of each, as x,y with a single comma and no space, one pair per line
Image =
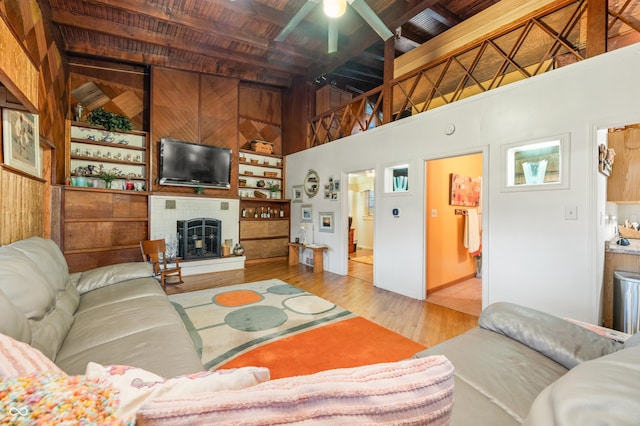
361,193
453,232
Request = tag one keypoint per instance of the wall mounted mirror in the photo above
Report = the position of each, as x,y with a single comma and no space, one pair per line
311,183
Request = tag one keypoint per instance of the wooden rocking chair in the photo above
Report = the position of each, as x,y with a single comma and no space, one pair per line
155,251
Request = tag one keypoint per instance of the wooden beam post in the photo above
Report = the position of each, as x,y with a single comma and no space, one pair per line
596,27
387,76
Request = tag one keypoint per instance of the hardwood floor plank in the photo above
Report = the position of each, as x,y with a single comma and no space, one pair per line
417,320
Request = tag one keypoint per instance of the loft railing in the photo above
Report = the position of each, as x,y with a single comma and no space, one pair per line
553,38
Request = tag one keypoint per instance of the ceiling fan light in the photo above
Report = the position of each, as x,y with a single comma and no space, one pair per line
334,8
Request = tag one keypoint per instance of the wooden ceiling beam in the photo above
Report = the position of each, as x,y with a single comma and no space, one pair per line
151,9
252,75
62,17
445,16
249,8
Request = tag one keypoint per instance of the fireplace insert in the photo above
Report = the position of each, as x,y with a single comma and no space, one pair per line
199,238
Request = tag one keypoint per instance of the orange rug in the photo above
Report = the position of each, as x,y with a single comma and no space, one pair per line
348,343
276,325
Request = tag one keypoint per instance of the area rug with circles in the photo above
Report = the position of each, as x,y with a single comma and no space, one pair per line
276,325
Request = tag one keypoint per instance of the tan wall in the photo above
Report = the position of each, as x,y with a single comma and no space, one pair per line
447,259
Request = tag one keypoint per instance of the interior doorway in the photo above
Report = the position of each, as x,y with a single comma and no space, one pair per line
454,232
361,195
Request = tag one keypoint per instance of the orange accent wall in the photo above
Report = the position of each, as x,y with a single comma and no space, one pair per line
447,259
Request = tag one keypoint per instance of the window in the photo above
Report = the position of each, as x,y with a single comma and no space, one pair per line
537,164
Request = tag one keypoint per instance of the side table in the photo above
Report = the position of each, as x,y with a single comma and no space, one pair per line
318,255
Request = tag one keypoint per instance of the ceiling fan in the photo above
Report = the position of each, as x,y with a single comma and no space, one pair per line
334,9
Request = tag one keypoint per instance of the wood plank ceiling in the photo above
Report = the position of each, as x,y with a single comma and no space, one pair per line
235,38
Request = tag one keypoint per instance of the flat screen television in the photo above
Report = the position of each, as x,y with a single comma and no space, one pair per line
191,164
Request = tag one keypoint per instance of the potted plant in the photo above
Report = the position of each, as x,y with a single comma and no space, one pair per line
273,188
109,120
109,175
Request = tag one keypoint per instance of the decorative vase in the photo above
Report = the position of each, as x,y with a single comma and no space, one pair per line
107,184
274,194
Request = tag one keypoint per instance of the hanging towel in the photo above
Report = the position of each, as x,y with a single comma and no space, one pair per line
472,231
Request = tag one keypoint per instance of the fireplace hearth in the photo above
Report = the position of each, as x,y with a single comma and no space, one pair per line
199,238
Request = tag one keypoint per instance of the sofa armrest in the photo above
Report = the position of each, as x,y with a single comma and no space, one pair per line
564,342
112,274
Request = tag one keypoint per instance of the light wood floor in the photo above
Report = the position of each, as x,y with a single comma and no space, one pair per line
420,321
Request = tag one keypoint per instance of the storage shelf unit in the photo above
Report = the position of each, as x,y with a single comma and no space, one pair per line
254,167
103,226
91,146
262,237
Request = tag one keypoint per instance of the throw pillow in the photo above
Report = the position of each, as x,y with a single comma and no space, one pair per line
137,386
20,359
54,399
417,391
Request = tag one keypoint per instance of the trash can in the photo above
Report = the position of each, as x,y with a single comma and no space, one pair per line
626,302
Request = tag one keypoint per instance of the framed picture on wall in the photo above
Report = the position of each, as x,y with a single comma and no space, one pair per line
326,222
307,213
21,141
465,190
297,194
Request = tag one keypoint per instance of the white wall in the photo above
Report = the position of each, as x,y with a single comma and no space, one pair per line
532,255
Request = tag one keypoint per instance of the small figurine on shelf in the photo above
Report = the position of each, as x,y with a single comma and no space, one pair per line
77,111
238,250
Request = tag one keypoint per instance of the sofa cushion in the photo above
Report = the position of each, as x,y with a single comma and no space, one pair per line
136,385
418,391
164,350
33,295
20,359
13,323
25,285
565,342
502,377
113,294
603,391
47,257
111,274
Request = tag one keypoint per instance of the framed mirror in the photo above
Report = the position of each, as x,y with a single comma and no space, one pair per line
311,183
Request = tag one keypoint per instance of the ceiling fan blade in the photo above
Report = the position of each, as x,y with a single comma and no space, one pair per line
297,18
371,18
333,35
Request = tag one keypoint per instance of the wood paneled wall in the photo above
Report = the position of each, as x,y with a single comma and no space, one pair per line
194,108
25,203
21,207
118,88
260,116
